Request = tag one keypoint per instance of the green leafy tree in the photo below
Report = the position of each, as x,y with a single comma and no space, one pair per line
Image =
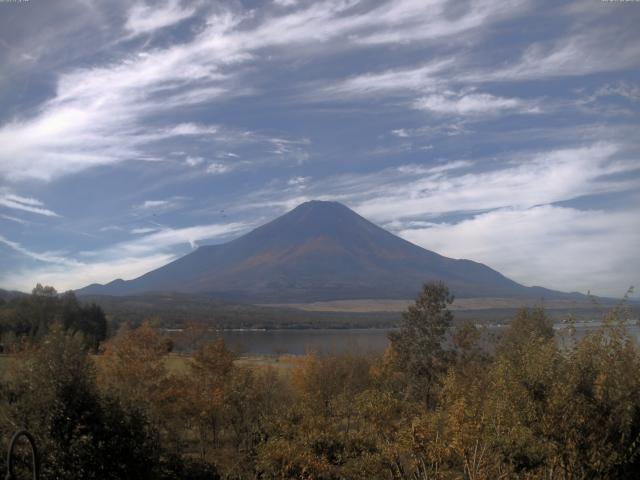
27,319
419,342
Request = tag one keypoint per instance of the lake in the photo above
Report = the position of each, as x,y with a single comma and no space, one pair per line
363,340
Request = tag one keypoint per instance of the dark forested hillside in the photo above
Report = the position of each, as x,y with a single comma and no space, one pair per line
28,318
176,309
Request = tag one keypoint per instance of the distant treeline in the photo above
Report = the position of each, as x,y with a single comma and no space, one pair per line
179,309
171,310
28,318
434,406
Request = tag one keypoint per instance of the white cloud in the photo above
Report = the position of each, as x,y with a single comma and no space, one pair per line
169,237
404,21
111,228
427,85
217,168
162,205
127,259
143,230
620,89
433,80
298,181
545,177
555,247
191,129
414,169
472,104
439,130
592,50
285,3
145,18
14,219
47,257
400,132
99,113
416,78
194,161
26,204
69,278
155,204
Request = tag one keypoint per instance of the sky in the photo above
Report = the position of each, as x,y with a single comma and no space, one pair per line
132,132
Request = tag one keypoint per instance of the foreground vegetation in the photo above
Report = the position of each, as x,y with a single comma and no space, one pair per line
434,406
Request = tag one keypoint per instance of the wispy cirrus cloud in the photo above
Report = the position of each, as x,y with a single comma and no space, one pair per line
26,204
625,90
169,237
146,18
85,124
415,191
473,104
14,219
534,179
414,169
161,205
110,228
421,78
46,257
584,52
429,88
143,230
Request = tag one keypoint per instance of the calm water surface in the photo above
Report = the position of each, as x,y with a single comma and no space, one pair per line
299,342
365,340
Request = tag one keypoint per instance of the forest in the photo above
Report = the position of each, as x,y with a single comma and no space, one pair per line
443,402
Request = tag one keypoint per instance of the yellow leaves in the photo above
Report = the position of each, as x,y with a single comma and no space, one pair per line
213,361
132,366
537,408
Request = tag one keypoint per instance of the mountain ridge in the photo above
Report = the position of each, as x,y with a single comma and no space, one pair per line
319,251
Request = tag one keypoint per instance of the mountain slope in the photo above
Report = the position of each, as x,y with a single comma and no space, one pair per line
318,251
10,294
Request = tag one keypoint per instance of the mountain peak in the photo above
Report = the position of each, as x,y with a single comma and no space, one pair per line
320,250
319,207
324,204
311,220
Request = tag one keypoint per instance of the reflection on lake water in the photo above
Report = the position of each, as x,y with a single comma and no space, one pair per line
356,340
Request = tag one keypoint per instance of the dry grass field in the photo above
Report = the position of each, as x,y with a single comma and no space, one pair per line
460,304
178,364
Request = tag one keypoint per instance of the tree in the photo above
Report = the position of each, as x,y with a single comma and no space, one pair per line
46,291
527,325
210,374
28,319
79,433
132,368
418,344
